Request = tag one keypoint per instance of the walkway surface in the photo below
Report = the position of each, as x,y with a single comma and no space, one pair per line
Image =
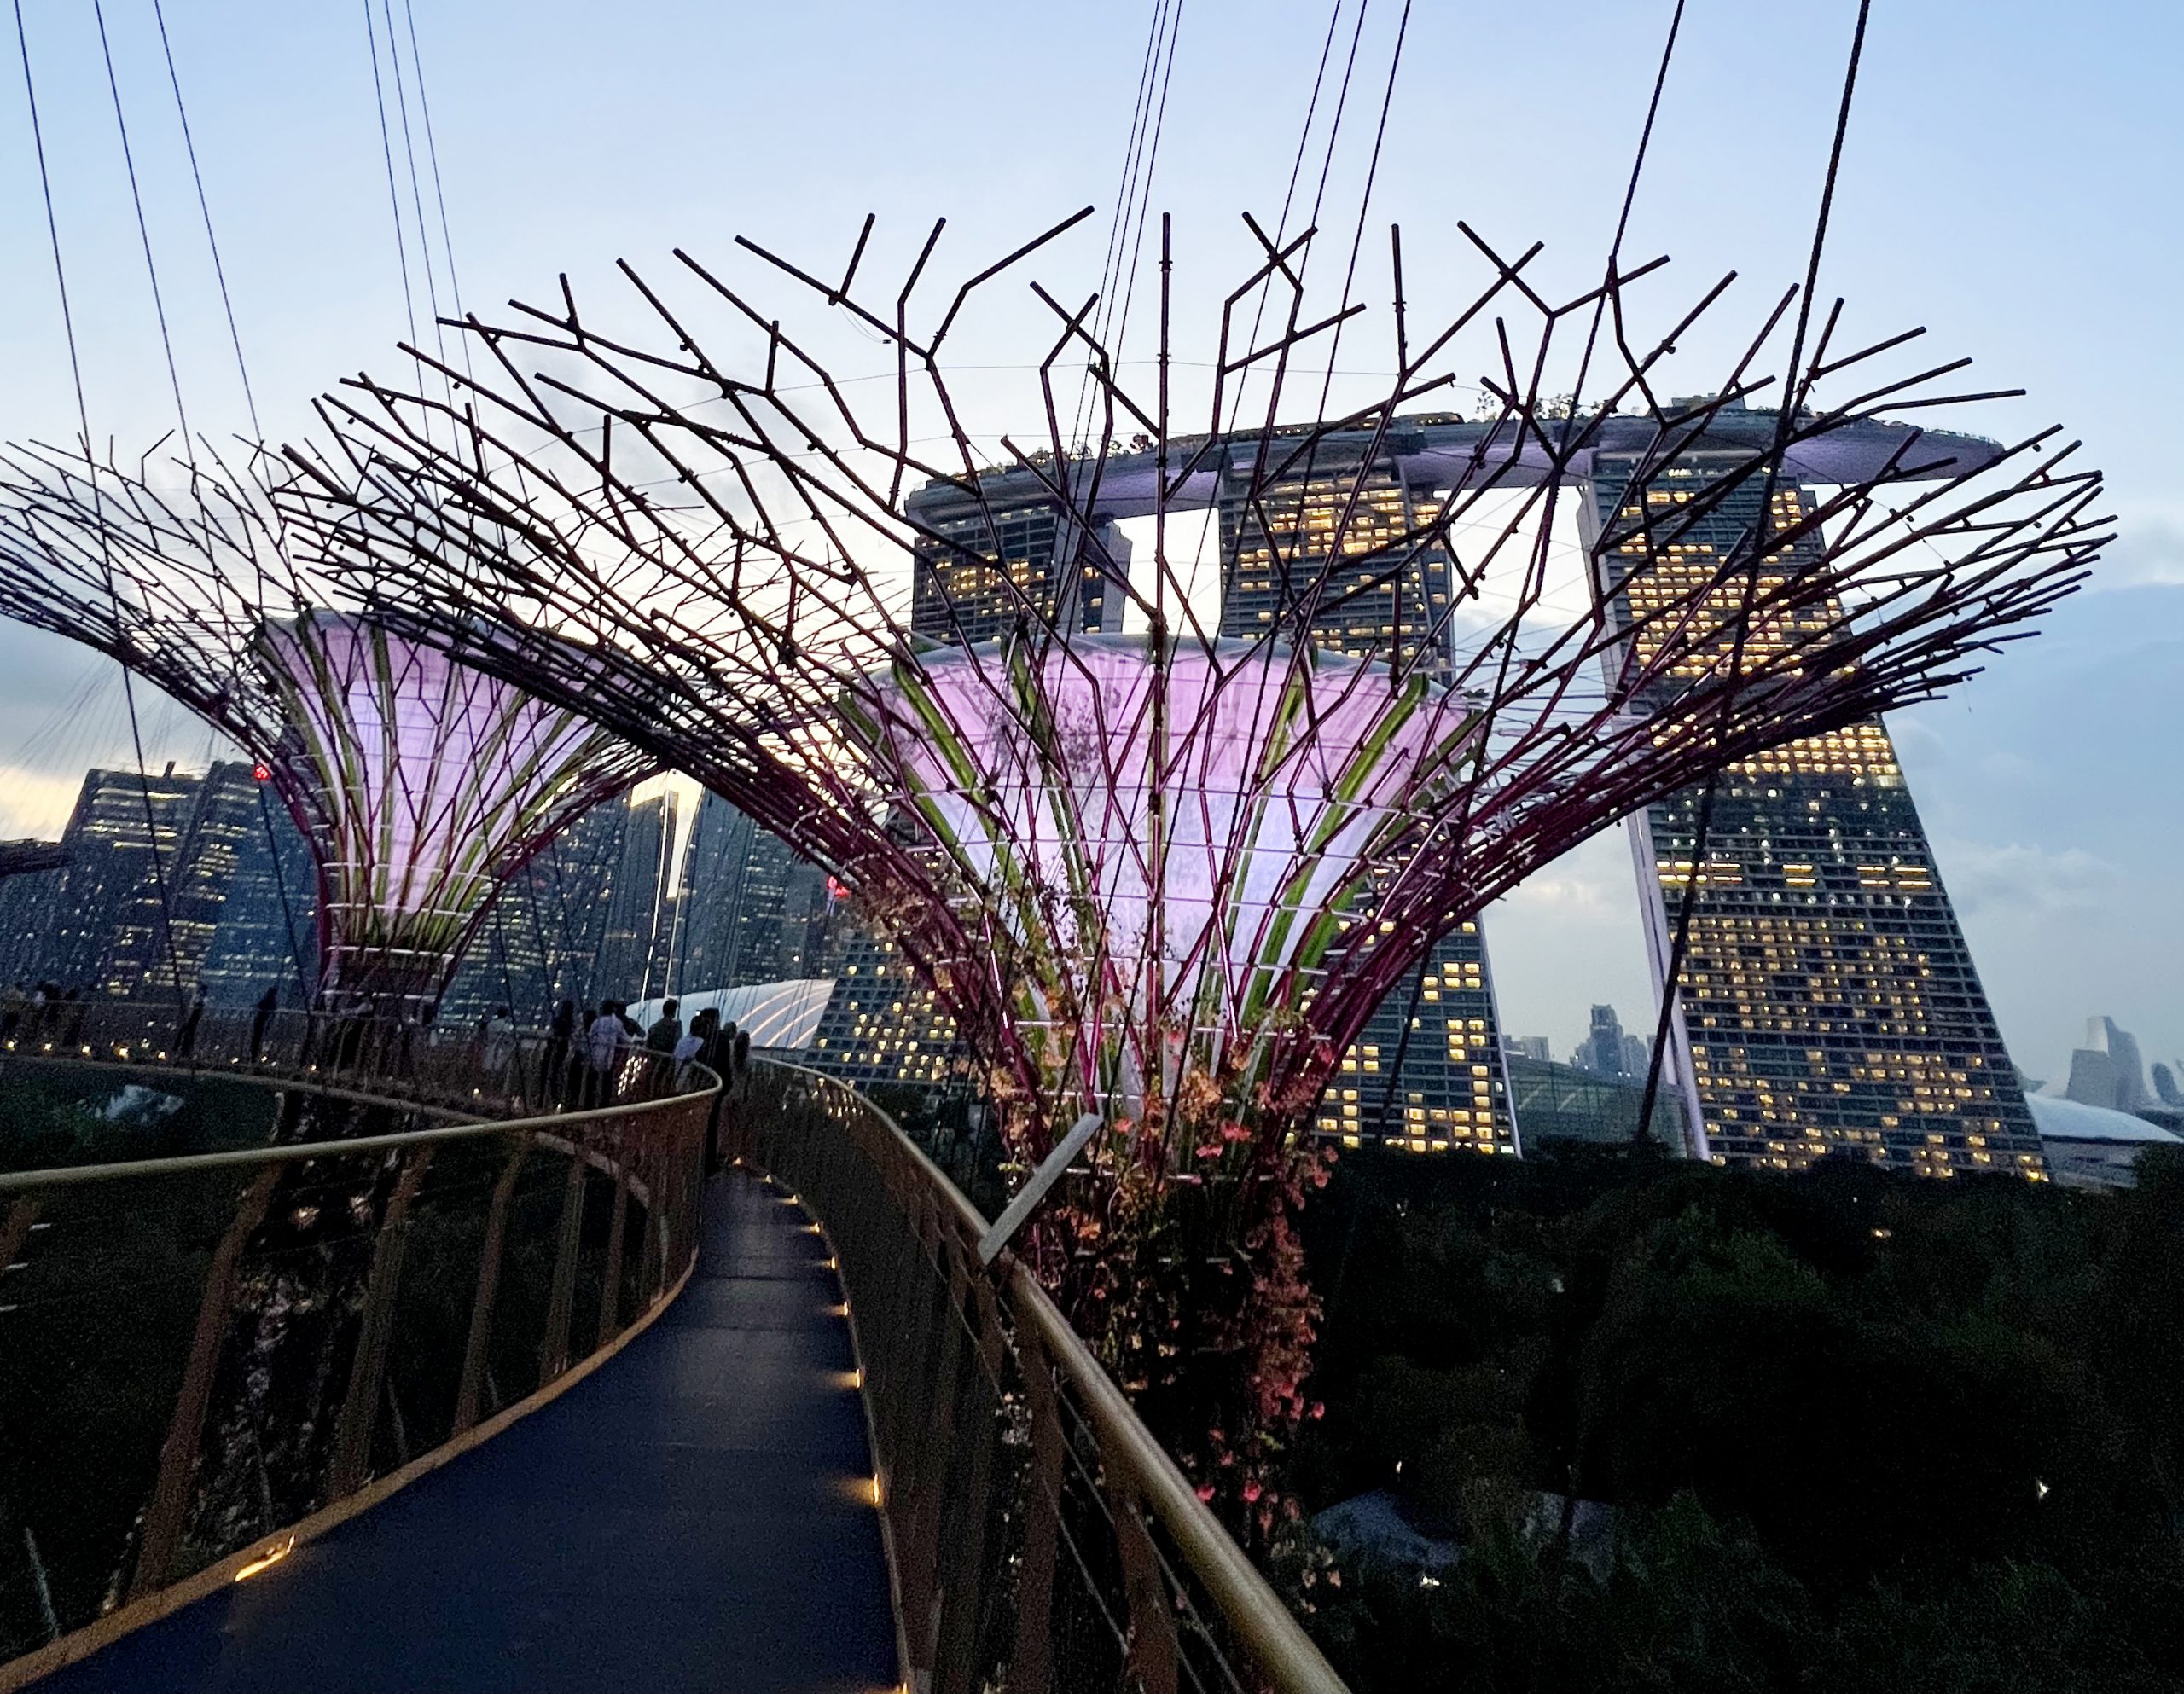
696,1514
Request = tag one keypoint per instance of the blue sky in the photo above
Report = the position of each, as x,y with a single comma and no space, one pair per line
2008,183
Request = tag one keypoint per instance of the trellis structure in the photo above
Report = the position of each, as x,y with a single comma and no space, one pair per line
420,785
1167,876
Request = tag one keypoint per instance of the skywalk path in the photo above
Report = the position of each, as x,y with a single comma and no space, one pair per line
698,1513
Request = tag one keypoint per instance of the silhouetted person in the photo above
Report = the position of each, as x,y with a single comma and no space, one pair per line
666,1029
498,1045
268,1004
554,1074
604,1043
742,1063
185,1038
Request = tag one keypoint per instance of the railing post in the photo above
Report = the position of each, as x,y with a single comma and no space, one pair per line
15,1228
1029,1663
352,1430
1153,1653
489,1284
963,1600
553,1348
178,1454
610,1295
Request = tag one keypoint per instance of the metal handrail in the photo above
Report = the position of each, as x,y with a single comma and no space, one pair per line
558,1123
1008,1320
304,1231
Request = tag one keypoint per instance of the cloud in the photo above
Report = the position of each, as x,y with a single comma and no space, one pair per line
2029,880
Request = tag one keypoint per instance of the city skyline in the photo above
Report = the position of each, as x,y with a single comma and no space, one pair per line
2035,784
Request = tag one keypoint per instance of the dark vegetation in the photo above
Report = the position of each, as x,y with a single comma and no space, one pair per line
1857,1433
61,1114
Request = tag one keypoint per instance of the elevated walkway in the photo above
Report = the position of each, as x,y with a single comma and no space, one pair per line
697,1514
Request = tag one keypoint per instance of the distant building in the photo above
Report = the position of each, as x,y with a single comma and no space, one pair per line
1828,1003
106,927
1527,1046
980,567
881,1024
2165,1085
543,939
2108,1069
751,910
1559,1105
641,909
267,935
2095,1146
1606,1051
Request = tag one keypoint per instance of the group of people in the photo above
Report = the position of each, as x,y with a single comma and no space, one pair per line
588,1051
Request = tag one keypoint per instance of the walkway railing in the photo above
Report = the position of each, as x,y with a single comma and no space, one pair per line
202,1357
1042,1540
440,1064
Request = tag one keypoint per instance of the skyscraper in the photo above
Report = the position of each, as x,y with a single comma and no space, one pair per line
881,1025
543,939
1429,1073
641,907
1828,1003
267,933
1383,596
751,910
109,925
982,561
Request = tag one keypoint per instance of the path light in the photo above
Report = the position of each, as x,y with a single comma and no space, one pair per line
271,1556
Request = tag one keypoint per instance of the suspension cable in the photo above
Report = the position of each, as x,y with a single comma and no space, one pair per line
98,507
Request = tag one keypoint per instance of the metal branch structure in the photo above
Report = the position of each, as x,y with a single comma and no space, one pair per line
1166,874
420,785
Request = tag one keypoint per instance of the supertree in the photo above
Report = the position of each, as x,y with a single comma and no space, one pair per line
420,785
1165,876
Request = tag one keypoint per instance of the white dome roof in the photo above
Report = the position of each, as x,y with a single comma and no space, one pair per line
2062,1120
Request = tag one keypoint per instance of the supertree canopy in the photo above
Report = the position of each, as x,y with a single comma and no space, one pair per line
1155,871
420,785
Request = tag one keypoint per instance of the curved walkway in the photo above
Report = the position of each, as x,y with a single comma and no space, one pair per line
696,1514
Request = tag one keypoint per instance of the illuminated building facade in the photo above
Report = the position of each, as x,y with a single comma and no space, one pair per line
1429,1076
1828,1004
981,567
881,1025
104,926
751,910
1383,593
1426,1076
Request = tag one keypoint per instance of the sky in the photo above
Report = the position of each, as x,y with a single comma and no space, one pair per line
2007,183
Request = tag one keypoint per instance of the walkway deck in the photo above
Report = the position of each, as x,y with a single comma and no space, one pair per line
695,1515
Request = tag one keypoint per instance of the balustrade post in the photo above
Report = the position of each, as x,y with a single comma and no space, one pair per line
610,1297
1029,1663
352,1429
962,1602
489,1283
553,1348
1154,1655
163,1520
15,1228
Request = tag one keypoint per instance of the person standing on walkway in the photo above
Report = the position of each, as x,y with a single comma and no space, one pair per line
185,1038
553,1064
268,1004
666,1029
741,1064
498,1045
604,1043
